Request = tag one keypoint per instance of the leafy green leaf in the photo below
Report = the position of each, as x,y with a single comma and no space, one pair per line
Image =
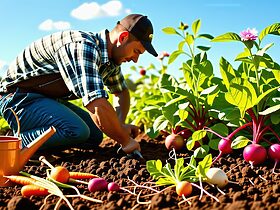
170,30
152,167
208,90
174,55
265,94
160,123
264,49
204,48
189,39
201,151
239,96
227,71
196,26
199,134
190,144
227,37
206,163
272,29
206,36
239,142
270,110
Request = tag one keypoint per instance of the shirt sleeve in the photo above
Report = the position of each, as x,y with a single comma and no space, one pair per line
78,63
116,82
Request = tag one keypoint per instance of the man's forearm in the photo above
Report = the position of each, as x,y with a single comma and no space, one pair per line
106,119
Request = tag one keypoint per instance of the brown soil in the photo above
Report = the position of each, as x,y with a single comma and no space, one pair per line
255,188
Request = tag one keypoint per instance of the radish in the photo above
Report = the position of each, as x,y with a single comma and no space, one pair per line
174,141
113,186
274,154
184,188
224,147
254,154
97,184
217,177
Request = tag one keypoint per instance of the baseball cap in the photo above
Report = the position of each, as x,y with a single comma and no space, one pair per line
141,27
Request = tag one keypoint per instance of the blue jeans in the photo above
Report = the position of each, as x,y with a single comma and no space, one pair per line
37,113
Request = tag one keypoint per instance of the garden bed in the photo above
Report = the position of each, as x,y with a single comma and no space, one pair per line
249,188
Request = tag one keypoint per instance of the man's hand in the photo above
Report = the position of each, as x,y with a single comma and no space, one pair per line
131,146
133,130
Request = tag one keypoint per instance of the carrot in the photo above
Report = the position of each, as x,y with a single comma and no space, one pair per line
81,175
30,189
22,180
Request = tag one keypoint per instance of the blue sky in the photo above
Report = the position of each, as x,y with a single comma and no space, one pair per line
22,21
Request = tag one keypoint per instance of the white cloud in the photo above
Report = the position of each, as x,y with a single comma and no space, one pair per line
92,10
49,25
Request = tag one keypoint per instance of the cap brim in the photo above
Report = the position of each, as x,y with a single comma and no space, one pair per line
149,47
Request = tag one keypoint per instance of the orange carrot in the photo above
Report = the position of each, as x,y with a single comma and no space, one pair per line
30,189
81,175
22,180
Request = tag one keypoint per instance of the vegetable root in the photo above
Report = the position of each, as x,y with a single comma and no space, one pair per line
217,177
184,188
81,175
30,189
22,180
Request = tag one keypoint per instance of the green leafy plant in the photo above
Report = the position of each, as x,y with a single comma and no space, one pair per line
193,172
254,86
189,100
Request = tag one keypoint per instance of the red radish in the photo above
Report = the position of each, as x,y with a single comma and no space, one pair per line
254,154
224,147
274,154
97,184
217,177
113,186
174,141
184,188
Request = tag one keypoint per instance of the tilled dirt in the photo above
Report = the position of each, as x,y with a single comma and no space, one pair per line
250,188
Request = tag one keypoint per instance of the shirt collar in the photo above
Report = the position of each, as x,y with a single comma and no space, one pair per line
103,47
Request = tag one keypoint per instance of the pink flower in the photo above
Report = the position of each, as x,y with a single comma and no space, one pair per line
162,55
249,34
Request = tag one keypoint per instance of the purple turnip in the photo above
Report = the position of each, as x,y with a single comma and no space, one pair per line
97,184
174,141
254,154
274,154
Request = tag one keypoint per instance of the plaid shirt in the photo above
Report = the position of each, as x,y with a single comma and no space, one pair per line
81,58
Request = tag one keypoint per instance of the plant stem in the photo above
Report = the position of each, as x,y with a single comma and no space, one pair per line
214,132
239,129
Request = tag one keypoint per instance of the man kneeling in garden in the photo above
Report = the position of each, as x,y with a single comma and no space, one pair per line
69,65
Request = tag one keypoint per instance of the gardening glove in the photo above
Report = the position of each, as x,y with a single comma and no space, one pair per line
131,146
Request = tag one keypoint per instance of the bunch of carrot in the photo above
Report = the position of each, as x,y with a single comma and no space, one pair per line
58,173
29,188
